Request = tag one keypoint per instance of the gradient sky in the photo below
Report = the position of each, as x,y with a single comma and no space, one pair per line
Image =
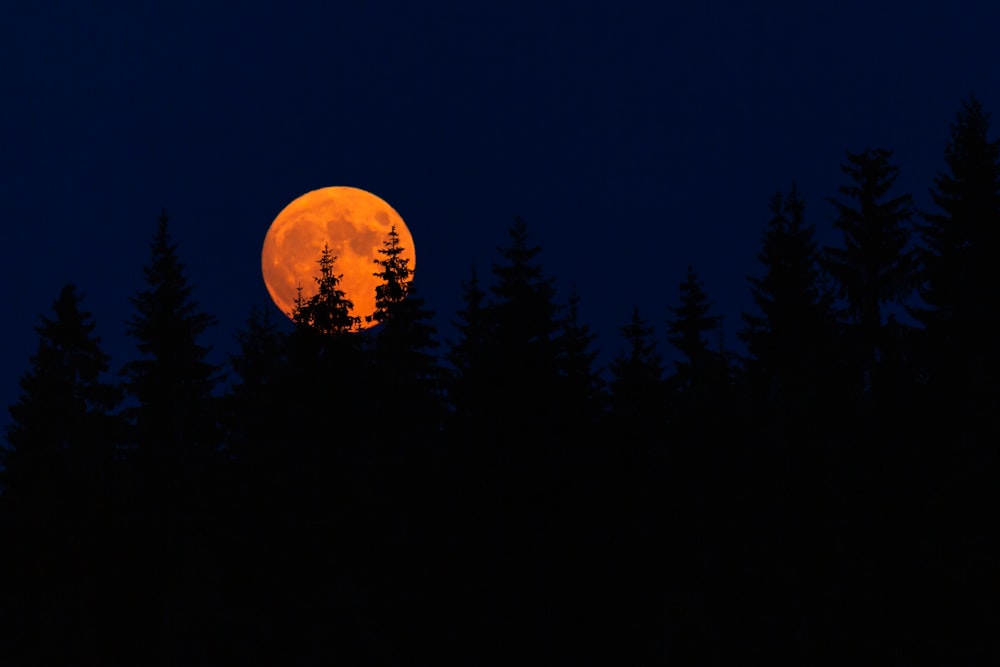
633,137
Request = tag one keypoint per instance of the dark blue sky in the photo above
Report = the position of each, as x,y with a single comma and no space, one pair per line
633,137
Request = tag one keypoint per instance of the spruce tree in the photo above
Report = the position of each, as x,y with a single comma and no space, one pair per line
59,510
521,350
875,267
466,353
176,438
518,434
62,424
468,389
583,390
258,366
523,311
395,275
404,359
960,278
328,312
172,380
637,387
789,338
688,330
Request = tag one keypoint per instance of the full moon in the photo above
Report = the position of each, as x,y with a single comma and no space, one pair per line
354,223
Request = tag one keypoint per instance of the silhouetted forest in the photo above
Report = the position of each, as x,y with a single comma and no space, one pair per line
333,495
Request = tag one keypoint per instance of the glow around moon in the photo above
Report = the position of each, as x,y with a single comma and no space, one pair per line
355,223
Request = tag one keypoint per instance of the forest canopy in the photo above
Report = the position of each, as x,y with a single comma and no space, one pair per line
388,497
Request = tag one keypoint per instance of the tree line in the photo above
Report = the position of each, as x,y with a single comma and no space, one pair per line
387,497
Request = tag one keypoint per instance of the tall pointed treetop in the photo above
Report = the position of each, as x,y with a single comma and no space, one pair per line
329,310
172,379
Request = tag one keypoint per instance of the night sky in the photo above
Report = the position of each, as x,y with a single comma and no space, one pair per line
633,138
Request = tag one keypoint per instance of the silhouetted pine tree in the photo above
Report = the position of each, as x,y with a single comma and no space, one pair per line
62,425
468,389
395,275
960,285
874,267
328,312
257,367
466,471
59,505
522,357
790,339
635,469
515,432
960,278
256,410
689,328
176,436
407,418
583,393
637,385
405,363
172,381
255,491
506,359
523,311
329,373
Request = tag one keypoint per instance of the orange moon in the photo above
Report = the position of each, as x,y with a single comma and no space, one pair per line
354,223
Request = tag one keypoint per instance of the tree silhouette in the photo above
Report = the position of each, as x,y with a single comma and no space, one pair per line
523,309
259,368
960,281
61,424
405,343
407,395
637,386
327,312
468,388
874,267
60,491
508,352
176,438
516,393
583,387
172,381
688,331
396,276
790,337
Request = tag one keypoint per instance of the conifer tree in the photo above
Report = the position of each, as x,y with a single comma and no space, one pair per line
466,352
875,267
637,372
960,278
396,277
258,367
468,388
327,312
404,359
172,381
258,360
688,331
524,417
633,466
789,338
523,311
577,356
330,376
62,424
407,334
961,287
58,510
522,355
176,436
